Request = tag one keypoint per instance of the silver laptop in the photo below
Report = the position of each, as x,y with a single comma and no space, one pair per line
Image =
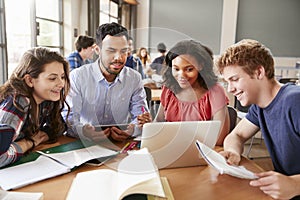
172,144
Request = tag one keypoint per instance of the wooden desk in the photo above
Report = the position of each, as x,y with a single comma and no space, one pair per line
155,94
186,183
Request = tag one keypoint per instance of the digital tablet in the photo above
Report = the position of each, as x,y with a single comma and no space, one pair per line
103,127
99,161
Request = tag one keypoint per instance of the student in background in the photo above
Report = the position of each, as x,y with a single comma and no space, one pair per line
144,56
84,52
133,61
190,90
248,67
157,64
31,102
106,92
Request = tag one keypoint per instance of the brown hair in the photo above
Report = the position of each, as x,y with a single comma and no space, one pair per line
248,54
32,63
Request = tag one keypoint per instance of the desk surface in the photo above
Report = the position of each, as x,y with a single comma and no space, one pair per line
185,183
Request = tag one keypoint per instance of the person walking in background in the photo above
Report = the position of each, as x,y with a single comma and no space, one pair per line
133,61
190,90
31,102
248,68
157,64
84,52
106,92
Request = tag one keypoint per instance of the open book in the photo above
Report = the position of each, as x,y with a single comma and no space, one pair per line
5,195
218,162
136,174
49,165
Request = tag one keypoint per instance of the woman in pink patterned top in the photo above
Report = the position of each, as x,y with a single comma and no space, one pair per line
191,91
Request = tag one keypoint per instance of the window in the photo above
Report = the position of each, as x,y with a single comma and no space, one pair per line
49,24
22,34
3,56
108,11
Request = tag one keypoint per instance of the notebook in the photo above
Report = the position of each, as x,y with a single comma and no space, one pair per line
172,144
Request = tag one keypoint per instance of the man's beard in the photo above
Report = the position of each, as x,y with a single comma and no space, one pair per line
109,70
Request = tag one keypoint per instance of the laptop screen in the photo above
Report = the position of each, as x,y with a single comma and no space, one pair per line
172,144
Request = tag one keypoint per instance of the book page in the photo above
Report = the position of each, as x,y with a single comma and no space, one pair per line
95,184
139,173
136,171
31,172
79,156
218,162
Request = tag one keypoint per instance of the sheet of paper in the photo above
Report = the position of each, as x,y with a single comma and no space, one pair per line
31,172
217,161
77,157
4,195
48,166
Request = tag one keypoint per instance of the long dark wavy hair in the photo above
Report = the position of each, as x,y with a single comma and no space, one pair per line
204,58
32,63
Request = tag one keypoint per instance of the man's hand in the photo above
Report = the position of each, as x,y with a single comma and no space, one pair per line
231,157
89,131
121,135
277,185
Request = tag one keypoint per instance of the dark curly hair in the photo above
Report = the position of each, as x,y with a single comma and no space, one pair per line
204,58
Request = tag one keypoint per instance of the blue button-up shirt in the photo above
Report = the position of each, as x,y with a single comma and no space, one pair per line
95,101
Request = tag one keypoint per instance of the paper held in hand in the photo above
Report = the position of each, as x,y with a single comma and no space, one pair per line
136,174
218,162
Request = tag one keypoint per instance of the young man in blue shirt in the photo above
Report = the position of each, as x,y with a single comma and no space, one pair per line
248,67
84,51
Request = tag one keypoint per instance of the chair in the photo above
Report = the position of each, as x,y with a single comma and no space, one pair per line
288,80
233,117
149,101
241,112
148,96
239,107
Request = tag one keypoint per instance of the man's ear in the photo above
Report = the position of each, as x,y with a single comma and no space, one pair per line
260,72
28,80
97,50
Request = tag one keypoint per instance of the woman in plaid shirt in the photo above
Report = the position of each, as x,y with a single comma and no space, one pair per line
31,102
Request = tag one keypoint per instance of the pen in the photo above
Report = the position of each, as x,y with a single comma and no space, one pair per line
131,146
143,109
125,146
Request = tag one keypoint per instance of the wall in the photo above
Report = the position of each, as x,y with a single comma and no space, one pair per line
217,23
75,16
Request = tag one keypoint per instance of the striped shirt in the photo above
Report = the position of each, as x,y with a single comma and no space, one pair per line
12,123
95,101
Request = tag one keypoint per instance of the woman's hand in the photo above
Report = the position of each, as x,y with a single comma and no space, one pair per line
144,118
40,137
